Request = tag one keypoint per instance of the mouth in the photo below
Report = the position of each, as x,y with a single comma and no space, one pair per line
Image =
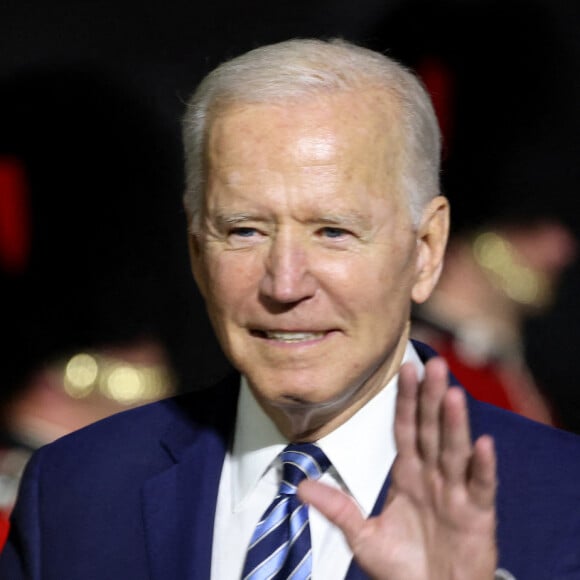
289,336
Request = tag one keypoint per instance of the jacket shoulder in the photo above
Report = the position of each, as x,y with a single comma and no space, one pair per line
147,434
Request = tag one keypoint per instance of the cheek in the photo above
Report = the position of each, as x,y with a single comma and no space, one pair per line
231,279
393,282
358,278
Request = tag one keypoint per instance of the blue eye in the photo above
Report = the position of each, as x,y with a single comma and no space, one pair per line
331,232
243,232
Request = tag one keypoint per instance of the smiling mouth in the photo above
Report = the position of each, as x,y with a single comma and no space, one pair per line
285,336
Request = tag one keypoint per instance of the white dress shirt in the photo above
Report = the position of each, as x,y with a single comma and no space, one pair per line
361,450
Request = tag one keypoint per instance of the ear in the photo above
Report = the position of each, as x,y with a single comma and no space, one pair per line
196,258
431,242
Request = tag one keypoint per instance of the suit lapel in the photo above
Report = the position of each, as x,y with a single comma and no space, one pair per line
354,571
179,503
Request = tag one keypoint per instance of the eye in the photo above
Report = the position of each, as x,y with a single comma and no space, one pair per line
243,232
333,233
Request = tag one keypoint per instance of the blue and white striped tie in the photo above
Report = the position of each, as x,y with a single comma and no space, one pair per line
280,548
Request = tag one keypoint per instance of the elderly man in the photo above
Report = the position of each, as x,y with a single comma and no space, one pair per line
315,217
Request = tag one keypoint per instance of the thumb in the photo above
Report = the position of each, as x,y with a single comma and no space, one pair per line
335,505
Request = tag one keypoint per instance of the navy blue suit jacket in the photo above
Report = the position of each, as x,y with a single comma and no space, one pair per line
134,496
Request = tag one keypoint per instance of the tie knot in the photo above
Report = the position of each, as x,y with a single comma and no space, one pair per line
301,461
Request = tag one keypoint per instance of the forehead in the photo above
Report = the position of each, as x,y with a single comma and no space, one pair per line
351,128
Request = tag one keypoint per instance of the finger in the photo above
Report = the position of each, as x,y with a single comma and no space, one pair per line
455,438
432,391
335,505
482,483
406,411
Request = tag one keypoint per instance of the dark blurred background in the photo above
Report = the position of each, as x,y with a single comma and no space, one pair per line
92,234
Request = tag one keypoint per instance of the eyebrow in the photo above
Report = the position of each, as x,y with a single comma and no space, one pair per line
352,219
225,219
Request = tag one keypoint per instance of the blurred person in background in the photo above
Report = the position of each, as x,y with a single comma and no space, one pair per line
93,318
555,337
495,277
507,104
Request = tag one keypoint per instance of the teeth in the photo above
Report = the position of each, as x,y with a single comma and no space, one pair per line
293,336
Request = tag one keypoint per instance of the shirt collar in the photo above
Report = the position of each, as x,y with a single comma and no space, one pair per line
361,468
257,443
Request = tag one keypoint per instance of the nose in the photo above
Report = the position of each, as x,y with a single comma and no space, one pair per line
287,277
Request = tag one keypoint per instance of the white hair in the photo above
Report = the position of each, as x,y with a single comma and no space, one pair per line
299,68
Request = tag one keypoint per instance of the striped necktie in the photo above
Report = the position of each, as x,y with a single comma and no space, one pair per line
280,548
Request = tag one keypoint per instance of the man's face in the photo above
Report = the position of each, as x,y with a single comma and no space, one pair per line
306,254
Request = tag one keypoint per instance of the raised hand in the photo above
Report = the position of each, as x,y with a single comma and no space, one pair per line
438,522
